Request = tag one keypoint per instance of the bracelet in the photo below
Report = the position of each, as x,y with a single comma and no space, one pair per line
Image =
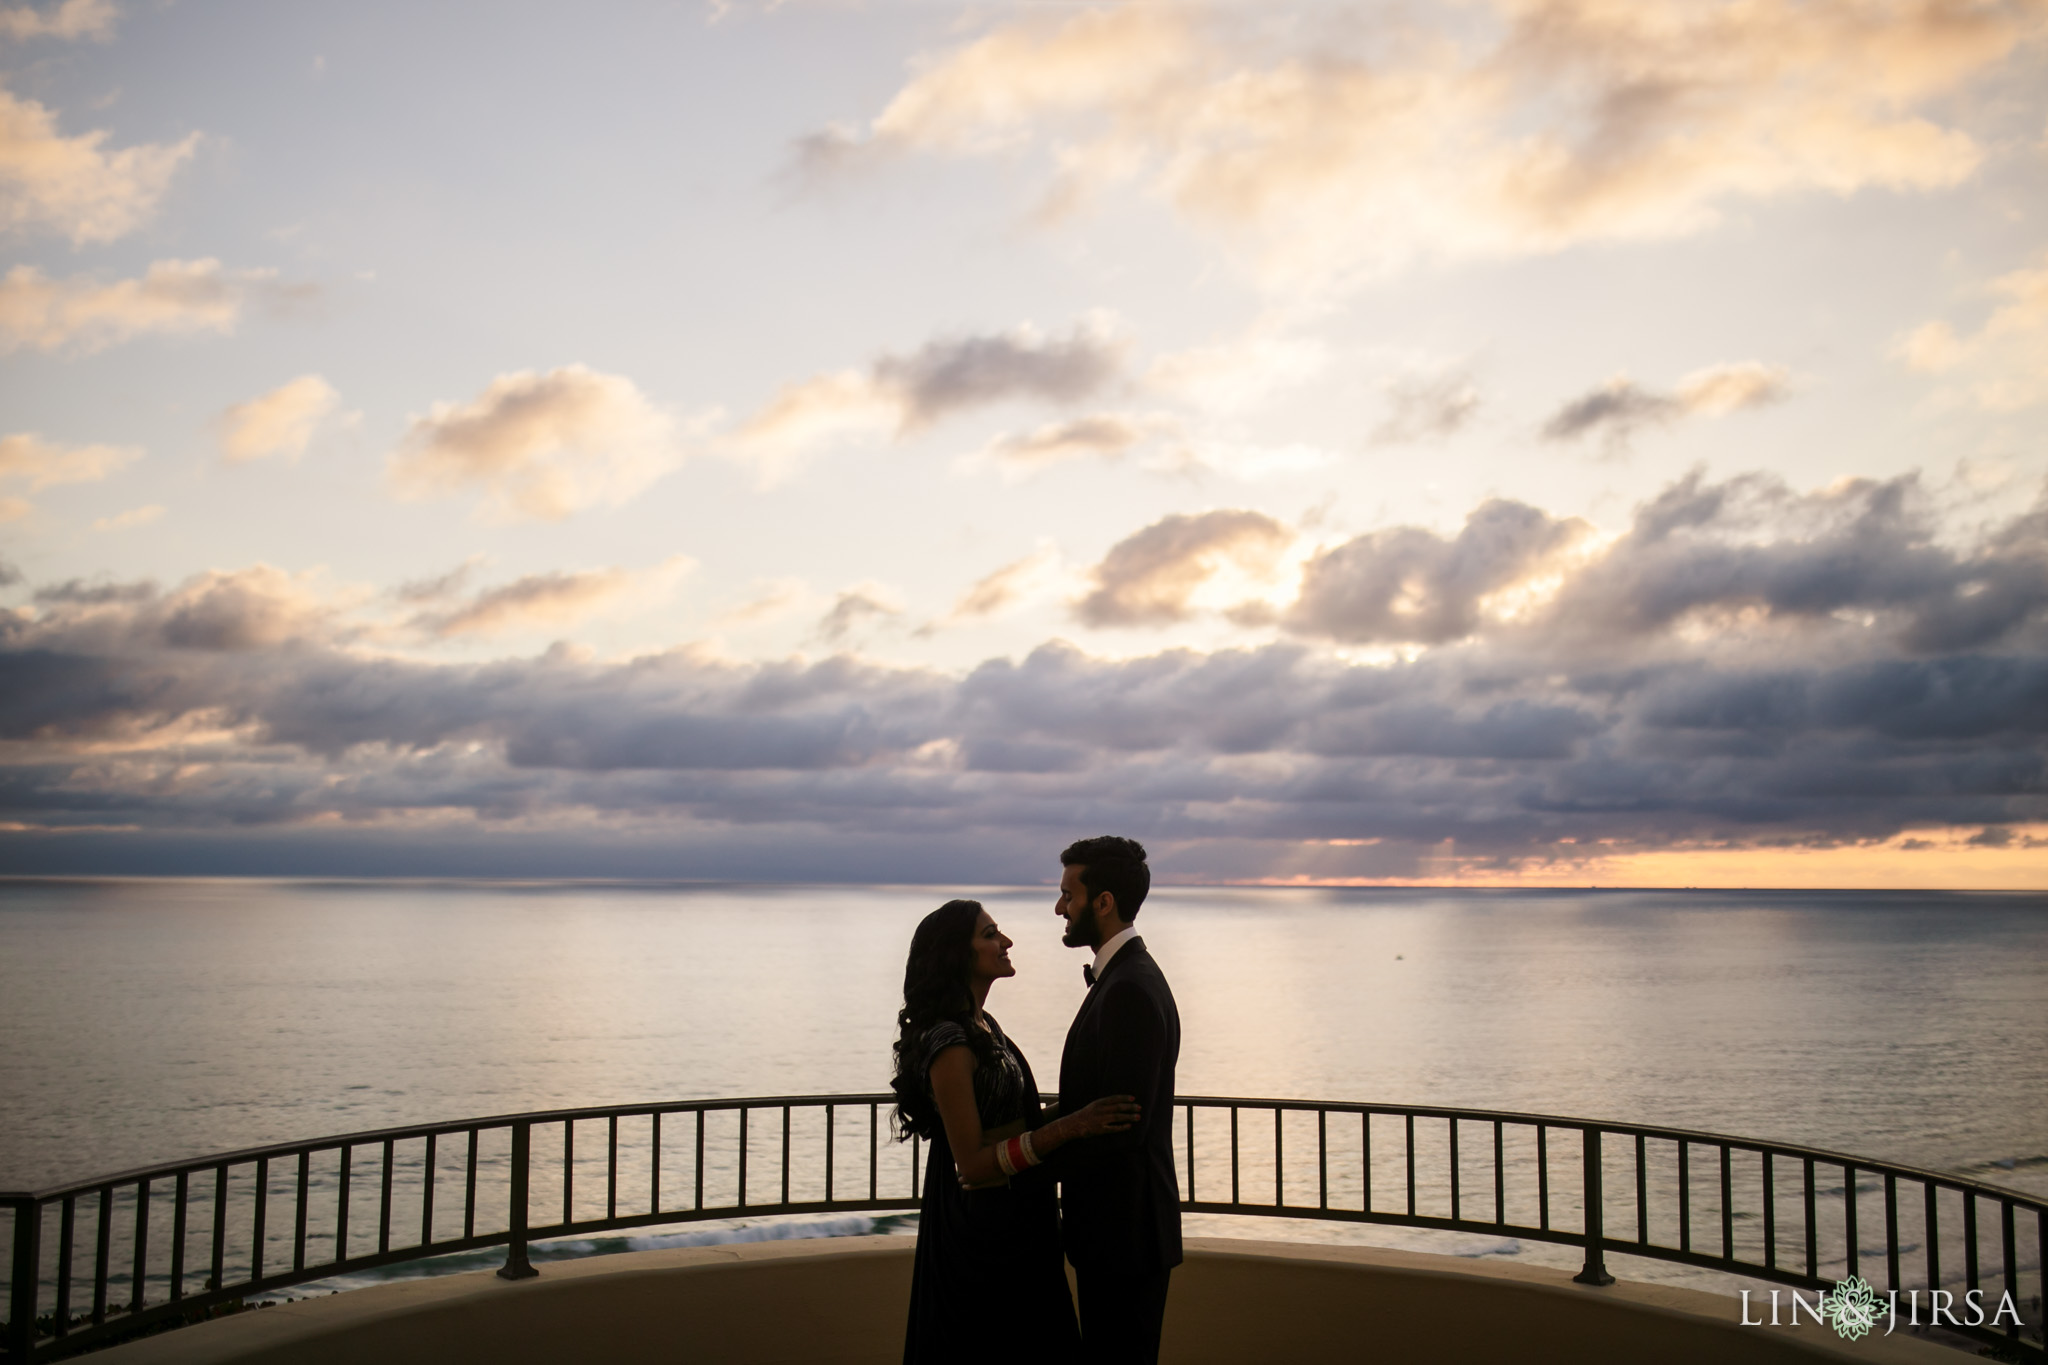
1016,1155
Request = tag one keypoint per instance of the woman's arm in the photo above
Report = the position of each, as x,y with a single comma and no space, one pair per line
974,1156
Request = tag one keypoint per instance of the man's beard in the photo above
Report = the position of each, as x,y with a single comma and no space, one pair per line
1082,934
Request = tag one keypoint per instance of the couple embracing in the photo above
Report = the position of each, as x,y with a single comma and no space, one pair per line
1012,1188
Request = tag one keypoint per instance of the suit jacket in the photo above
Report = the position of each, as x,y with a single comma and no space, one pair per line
1119,1198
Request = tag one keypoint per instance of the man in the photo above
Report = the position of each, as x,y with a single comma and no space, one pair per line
1119,1200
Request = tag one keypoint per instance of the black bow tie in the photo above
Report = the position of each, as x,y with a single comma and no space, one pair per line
1088,972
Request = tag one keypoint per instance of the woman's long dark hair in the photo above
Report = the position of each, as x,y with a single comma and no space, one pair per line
934,990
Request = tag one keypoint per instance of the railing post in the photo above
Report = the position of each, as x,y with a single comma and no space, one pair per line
26,1278
1596,1216
516,1266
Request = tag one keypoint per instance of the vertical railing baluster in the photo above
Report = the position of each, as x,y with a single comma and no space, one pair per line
743,1157
1849,1215
654,1173
1233,1154
1684,1195
384,1197
1727,1203
299,1212
101,1235
65,1224
341,1205
25,1280
1543,1177
469,1190
1595,1271
1812,1223
1365,1158
1642,1191
141,1264
698,1169
220,1228
1770,1211
785,1156
1279,1141
611,1169
1500,1178
433,1171
916,1169
2010,1248
1970,1240
1455,1206
568,1172
516,1266
874,1149
260,1225
1191,1154
1891,1230
180,1194
1322,1160
1411,1165
1933,1235
831,1119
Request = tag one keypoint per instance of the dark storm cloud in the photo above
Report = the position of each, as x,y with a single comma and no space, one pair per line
1865,546
1809,705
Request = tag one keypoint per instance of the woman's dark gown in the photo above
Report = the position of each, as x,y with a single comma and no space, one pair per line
990,1282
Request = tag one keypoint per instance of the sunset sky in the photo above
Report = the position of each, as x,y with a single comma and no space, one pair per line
1514,441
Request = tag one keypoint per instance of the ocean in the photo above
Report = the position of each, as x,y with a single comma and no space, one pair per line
152,1020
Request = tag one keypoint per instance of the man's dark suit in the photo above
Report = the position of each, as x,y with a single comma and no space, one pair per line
1119,1199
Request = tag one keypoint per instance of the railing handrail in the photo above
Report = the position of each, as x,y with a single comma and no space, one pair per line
407,1132
203,1191
193,1165
1700,1137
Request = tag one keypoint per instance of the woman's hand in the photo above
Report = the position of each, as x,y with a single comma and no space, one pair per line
1110,1114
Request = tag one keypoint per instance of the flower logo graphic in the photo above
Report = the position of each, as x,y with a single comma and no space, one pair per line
1853,1308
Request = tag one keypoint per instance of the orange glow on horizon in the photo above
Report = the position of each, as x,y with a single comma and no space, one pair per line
1941,860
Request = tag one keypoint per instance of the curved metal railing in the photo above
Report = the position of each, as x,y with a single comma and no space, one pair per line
101,1259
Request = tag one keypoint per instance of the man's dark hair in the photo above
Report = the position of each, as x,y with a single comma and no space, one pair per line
1112,864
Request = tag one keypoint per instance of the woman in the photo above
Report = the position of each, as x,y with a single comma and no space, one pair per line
990,1282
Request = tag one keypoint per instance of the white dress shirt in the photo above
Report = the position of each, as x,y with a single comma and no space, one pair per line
1108,950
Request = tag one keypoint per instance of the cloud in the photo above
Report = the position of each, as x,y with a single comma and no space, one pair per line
133,517
1747,665
1338,149
1002,589
43,464
549,601
863,604
539,446
280,422
83,315
1620,408
1422,408
68,19
1406,584
1099,436
2006,359
1151,577
901,394
1864,555
72,186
